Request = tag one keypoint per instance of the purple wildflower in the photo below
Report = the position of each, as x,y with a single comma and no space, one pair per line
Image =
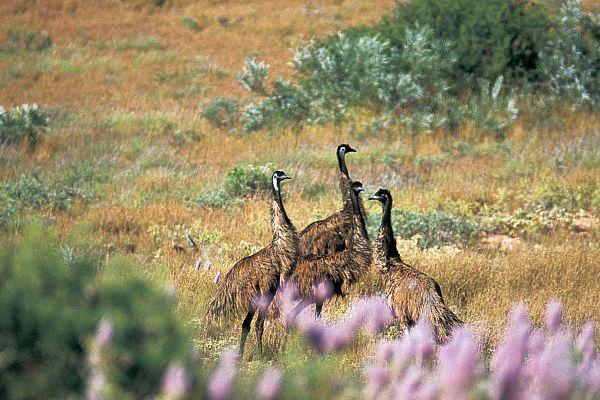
262,301
552,370
269,385
176,383
586,344
198,262
216,278
377,376
220,382
507,362
207,265
553,315
104,333
460,364
323,290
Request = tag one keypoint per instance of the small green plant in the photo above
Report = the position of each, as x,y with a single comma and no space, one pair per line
222,113
25,122
191,23
490,110
29,42
244,181
218,198
253,75
431,228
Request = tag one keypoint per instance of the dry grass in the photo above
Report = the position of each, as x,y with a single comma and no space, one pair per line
119,78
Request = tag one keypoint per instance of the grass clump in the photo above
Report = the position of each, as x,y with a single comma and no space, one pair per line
25,122
222,113
243,181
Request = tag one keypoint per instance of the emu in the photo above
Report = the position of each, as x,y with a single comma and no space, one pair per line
252,282
410,293
340,269
331,234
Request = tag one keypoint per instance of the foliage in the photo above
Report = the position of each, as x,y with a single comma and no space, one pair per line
490,110
490,37
218,198
430,229
25,122
571,60
29,41
51,300
253,75
242,181
191,23
222,113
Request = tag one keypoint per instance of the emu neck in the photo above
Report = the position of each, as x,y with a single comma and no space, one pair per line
387,232
358,215
277,208
342,163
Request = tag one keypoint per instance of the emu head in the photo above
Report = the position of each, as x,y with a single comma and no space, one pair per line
383,196
343,149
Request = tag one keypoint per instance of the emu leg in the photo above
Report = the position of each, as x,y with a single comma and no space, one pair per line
260,325
318,308
246,325
297,310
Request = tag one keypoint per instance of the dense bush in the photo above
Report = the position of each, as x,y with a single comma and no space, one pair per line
50,304
430,229
244,181
570,62
25,122
222,112
490,37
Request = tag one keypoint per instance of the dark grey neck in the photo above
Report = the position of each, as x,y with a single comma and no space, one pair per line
358,213
277,197
388,231
342,163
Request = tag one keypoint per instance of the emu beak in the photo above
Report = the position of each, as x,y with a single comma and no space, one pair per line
350,150
374,198
285,177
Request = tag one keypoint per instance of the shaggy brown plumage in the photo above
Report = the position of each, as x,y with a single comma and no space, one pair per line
331,234
340,269
252,282
410,293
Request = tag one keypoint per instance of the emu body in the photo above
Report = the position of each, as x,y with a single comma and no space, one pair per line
410,293
339,269
252,282
331,234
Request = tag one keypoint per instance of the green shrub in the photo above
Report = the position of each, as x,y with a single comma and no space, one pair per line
245,181
570,62
50,304
491,37
23,122
430,228
222,113
215,199
191,23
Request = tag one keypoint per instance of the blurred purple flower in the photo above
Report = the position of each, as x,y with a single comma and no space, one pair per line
269,385
553,315
216,278
262,301
377,376
198,262
323,291
586,344
207,265
507,376
459,364
552,371
104,333
175,383
220,383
